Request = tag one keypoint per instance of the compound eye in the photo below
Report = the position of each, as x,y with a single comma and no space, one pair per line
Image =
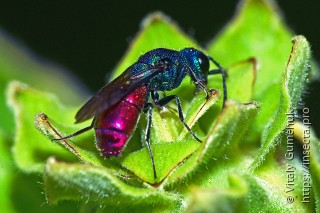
203,63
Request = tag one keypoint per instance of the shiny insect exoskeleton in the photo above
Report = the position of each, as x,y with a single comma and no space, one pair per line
117,106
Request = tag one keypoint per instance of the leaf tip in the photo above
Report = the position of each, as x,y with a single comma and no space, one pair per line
300,41
41,123
51,161
13,89
155,17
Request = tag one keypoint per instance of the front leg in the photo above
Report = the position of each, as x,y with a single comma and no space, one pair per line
164,101
224,75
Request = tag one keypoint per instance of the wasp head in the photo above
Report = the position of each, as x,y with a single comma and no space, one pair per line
197,66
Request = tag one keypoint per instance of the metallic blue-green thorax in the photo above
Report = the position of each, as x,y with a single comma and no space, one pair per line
181,63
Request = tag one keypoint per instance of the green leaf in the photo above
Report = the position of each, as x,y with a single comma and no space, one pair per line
64,181
241,80
31,149
27,195
228,129
310,161
297,71
256,31
17,186
165,125
230,199
292,86
263,193
280,180
197,108
166,157
6,174
235,118
315,169
246,192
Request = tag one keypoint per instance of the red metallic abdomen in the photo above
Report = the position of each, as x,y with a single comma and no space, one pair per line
114,126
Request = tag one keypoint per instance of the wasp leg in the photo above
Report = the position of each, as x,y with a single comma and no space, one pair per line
148,107
164,101
77,132
221,71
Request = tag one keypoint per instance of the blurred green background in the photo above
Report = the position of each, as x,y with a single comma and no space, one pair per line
88,39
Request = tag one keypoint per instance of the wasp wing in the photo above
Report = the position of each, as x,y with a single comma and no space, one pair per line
113,92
